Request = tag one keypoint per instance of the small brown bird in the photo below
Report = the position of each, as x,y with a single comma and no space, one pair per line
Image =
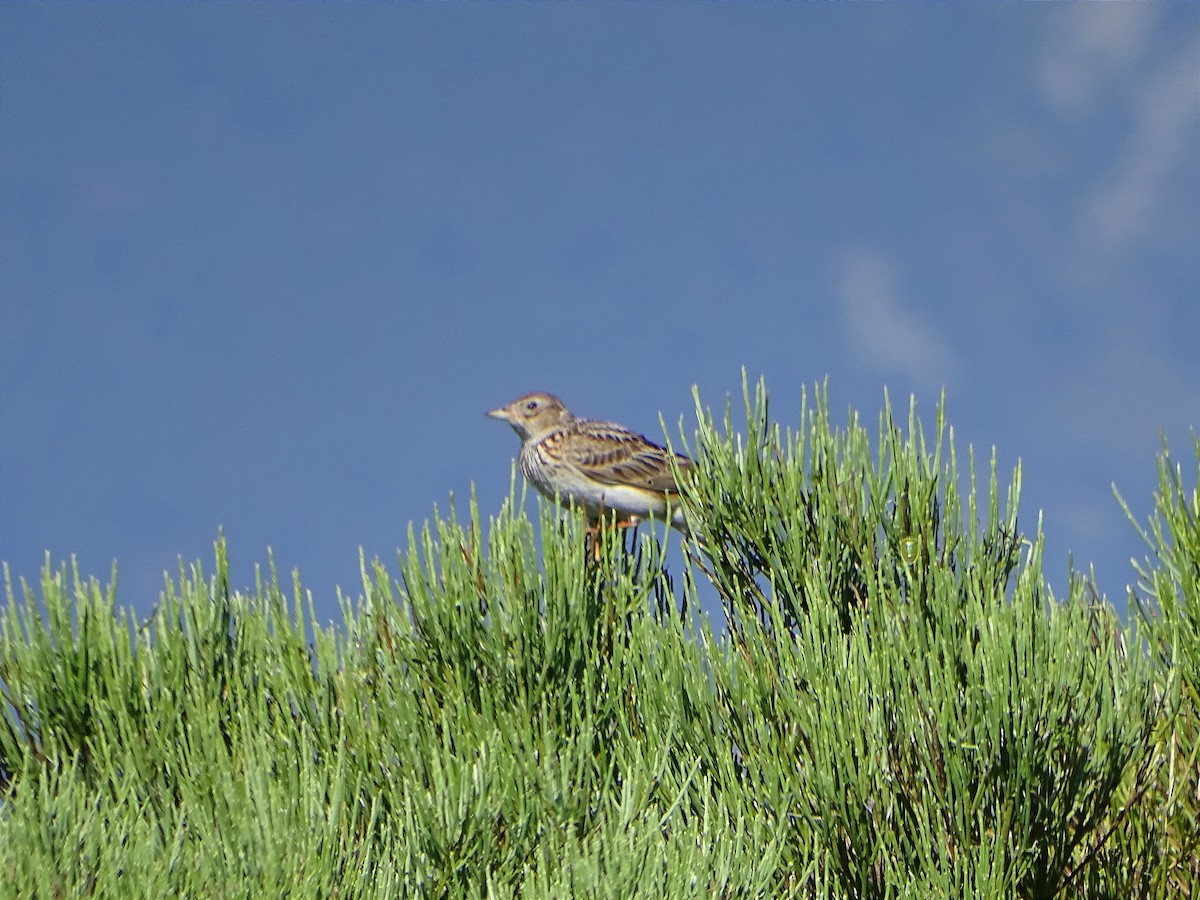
601,466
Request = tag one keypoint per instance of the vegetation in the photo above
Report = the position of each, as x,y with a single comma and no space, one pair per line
896,704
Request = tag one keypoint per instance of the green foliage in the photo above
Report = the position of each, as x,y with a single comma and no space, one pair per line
904,685
897,706
1168,603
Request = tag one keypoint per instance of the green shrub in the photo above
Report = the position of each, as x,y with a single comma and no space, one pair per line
1167,601
895,706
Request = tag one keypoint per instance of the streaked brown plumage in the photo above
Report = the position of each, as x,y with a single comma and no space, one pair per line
600,466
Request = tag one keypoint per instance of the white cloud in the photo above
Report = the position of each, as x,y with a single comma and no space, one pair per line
1093,42
1167,111
879,327
1104,62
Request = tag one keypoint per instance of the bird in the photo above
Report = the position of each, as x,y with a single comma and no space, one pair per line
603,467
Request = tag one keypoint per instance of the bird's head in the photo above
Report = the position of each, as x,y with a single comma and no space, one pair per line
533,415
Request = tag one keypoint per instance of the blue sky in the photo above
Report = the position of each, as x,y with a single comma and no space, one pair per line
265,266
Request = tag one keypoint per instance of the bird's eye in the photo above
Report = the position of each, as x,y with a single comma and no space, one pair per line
531,405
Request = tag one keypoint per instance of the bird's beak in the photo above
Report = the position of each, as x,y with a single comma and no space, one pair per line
501,414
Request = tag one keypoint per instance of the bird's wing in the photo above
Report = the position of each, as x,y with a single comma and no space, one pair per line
612,454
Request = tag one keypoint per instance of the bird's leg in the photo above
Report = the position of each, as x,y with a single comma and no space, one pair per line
591,536
602,521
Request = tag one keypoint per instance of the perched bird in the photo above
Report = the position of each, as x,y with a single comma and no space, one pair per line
600,466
